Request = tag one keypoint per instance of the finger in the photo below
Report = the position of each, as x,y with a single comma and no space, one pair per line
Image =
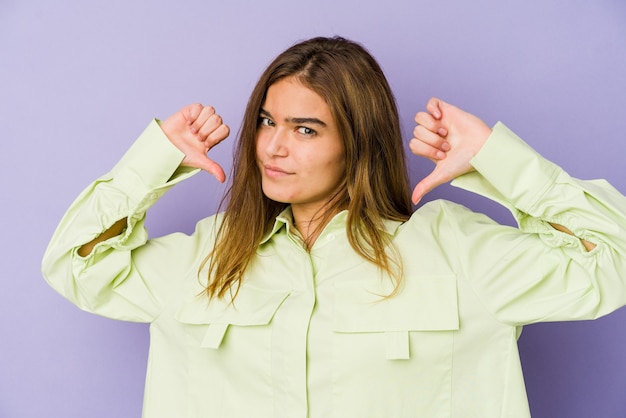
422,149
211,124
214,168
218,135
433,139
205,113
429,122
422,134
434,107
205,163
427,184
191,112
418,192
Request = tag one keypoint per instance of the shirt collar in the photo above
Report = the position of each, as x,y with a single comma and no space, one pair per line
284,219
338,222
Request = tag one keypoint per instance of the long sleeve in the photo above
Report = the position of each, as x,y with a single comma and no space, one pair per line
110,280
541,274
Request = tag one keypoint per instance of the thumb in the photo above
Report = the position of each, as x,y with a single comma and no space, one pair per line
428,183
211,167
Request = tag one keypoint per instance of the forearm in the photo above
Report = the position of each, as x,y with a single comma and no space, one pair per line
588,245
90,254
116,229
575,268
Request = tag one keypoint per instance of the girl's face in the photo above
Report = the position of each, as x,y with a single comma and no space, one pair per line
299,151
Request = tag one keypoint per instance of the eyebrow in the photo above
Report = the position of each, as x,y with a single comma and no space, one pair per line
314,121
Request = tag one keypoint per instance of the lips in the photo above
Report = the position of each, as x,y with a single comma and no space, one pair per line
275,171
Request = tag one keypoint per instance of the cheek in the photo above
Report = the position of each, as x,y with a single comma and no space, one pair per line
339,162
335,169
258,146
310,161
340,171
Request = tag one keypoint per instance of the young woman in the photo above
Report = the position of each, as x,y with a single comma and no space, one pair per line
318,292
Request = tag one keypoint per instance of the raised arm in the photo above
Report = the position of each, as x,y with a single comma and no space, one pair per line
194,130
451,137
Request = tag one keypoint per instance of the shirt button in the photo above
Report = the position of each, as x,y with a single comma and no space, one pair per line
330,237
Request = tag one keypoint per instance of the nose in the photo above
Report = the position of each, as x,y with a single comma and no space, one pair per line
275,142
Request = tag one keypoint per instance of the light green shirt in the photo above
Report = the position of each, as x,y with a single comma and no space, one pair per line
309,334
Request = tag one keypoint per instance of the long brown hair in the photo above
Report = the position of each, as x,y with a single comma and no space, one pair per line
376,184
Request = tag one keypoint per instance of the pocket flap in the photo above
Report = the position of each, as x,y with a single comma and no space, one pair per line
252,306
422,304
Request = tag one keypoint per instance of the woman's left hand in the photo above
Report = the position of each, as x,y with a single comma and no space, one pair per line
448,136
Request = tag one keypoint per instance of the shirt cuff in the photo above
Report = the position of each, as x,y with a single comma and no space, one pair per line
509,171
150,167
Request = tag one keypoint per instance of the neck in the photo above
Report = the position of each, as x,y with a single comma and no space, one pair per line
310,223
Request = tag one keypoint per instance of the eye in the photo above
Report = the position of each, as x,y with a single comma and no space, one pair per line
303,130
265,121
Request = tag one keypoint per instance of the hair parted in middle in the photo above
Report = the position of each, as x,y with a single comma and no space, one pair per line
375,186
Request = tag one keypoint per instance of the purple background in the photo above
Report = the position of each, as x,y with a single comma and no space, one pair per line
80,80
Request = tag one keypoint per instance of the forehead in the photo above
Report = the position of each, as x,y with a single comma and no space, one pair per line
288,97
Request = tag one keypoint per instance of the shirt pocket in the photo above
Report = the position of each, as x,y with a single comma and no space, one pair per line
228,351
252,307
401,345
423,304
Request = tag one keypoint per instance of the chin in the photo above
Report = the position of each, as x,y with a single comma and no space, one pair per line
276,197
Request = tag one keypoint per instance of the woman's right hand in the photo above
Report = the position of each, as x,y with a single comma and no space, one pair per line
194,130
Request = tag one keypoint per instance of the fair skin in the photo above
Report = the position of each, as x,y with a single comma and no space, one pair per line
451,137
300,152
445,134
194,130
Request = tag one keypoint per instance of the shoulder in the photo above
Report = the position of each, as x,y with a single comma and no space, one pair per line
443,216
209,225
204,236
438,211
186,246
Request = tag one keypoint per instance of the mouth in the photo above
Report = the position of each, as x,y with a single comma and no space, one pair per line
273,171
